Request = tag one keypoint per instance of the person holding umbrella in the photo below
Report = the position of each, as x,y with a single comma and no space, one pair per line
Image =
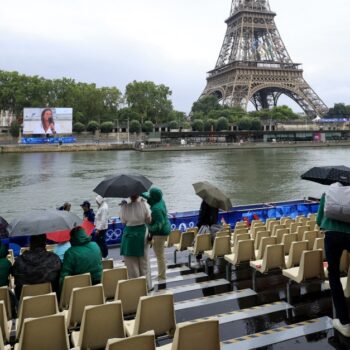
337,236
135,215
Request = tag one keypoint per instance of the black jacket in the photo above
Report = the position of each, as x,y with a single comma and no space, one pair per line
36,266
207,215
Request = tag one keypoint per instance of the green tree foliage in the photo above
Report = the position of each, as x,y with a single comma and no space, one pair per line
14,129
210,125
340,110
135,126
92,126
198,125
149,100
107,127
147,126
206,104
245,123
222,124
78,127
186,126
255,124
173,125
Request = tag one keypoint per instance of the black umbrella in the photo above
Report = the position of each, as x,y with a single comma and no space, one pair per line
327,175
123,186
3,228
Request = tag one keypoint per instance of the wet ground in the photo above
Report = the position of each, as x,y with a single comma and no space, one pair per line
252,319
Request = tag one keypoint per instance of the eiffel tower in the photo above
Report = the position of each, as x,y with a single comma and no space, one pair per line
254,64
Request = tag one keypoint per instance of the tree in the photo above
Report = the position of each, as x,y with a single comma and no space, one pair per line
222,124
186,126
78,127
255,124
198,125
148,126
173,125
340,110
206,104
245,123
107,127
15,129
149,100
92,126
135,126
210,125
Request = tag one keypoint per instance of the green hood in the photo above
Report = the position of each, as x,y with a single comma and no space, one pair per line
154,196
79,237
3,251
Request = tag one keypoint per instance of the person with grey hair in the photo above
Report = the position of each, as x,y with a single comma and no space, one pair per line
101,224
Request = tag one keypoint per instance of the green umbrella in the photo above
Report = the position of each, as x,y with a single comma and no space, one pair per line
212,195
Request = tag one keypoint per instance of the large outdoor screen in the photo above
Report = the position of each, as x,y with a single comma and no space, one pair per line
47,121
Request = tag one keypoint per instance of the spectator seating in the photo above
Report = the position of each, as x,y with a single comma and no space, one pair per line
47,332
202,243
153,313
221,247
129,293
110,280
5,323
145,341
310,237
99,324
264,243
31,290
173,238
5,297
71,282
2,345
295,253
107,264
204,334
186,241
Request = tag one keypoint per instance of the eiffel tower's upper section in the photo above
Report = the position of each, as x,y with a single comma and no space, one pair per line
252,35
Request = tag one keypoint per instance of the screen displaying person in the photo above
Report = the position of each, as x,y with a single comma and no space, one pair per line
47,122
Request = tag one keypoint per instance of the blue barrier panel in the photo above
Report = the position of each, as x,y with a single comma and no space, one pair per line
47,140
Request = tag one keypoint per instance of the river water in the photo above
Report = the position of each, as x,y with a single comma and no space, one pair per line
47,180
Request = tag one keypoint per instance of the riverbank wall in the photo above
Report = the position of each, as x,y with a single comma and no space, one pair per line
243,146
77,147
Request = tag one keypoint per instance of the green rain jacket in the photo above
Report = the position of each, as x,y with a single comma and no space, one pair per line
330,224
5,266
160,225
82,257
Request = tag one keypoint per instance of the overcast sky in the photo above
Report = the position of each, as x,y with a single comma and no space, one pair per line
174,42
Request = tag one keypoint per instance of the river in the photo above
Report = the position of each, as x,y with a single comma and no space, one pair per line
46,180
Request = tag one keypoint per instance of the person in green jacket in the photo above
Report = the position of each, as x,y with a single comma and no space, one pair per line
337,239
5,266
159,228
82,257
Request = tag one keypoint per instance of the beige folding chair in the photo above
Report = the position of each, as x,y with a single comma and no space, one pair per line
295,253
312,217
32,290
202,243
205,334
80,298
186,241
287,241
145,341
301,230
240,224
294,227
23,249
5,324
110,279
319,245
255,229
153,313
99,324
259,229
311,267
310,236
5,297
268,221
37,306
275,228
107,264
241,237
312,225
129,293
259,236
273,259
2,345
272,224
221,247
279,232
47,332
241,230
242,252
173,238
11,256
71,282
222,234
263,244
